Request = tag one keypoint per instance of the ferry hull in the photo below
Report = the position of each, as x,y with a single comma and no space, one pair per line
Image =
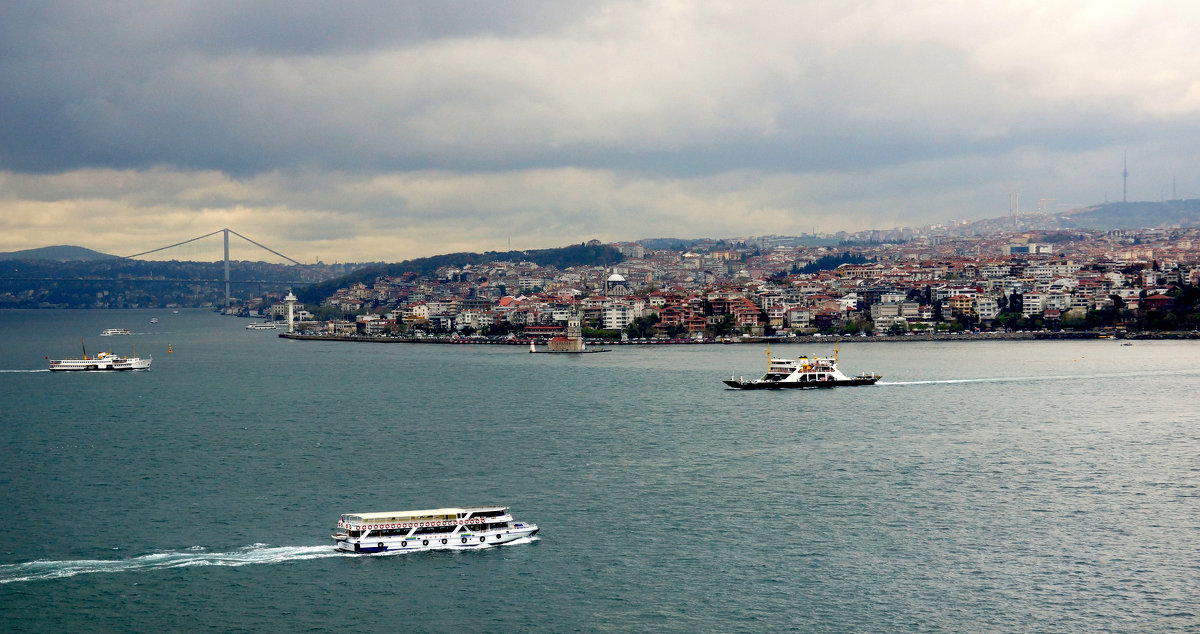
444,541
783,385
101,365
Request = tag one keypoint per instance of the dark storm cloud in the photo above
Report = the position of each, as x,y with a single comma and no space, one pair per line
575,120
247,87
138,84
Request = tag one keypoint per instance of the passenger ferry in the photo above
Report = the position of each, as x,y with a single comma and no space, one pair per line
108,332
802,372
103,362
466,527
265,325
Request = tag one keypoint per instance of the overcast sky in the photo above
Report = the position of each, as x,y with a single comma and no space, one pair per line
388,130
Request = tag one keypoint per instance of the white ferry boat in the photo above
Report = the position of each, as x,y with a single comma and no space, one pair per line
466,527
802,372
266,325
103,362
108,332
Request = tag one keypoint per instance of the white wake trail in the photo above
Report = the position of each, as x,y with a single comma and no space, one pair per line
196,556
1063,377
250,555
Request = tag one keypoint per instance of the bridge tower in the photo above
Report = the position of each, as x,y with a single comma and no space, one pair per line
228,298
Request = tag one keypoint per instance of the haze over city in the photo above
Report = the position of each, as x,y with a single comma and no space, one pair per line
394,130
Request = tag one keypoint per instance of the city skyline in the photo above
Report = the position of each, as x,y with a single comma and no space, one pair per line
402,130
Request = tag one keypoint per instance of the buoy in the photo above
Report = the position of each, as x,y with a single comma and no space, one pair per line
169,350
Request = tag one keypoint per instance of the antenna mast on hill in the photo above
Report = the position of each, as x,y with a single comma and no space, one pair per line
1124,177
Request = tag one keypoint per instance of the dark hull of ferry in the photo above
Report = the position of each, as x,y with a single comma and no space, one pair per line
432,541
93,368
787,385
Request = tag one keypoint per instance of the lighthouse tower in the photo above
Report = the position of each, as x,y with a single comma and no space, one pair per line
290,300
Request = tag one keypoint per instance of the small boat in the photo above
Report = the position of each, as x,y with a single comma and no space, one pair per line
266,325
802,372
456,528
154,320
108,332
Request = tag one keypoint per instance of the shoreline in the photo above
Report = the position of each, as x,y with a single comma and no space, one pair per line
805,339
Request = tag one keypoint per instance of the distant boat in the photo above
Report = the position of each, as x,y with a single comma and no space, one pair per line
108,332
266,325
174,312
154,320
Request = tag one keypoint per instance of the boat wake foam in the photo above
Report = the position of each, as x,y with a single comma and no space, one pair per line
1002,379
1069,377
197,556
21,371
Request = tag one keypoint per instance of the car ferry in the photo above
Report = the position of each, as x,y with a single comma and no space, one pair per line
466,527
802,372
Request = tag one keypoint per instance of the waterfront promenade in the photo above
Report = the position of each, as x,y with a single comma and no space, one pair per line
956,336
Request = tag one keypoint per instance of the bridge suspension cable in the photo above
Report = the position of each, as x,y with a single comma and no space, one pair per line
177,244
226,231
263,247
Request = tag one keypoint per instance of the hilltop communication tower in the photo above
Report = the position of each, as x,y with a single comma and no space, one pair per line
1124,177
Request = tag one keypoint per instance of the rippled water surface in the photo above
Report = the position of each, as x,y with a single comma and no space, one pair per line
1005,486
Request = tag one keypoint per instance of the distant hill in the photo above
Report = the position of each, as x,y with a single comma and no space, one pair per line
1104,217
1136,215
562,257
61,253
666,244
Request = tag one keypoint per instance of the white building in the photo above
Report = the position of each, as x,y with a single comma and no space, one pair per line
1032,304
618,315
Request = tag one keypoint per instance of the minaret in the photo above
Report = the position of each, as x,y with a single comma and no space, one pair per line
290,300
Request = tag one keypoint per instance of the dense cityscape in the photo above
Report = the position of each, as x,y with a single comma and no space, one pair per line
1122,281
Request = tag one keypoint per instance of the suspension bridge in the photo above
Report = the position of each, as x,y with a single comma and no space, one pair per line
226,231
227,280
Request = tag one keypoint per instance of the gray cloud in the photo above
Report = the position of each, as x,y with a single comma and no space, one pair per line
413,116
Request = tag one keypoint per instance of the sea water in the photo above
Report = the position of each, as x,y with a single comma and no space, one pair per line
980,486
